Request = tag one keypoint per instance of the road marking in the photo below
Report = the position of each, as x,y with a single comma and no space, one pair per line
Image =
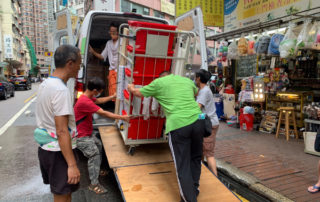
34,94
15,117
0,148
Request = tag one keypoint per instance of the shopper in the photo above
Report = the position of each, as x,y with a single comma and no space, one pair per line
316,188
176,95
111,52
55,119
88,143
207,105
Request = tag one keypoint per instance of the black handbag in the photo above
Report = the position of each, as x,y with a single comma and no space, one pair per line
207,127
317,142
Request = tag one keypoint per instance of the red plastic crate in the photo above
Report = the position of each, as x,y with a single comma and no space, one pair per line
141,36
151,128
147,69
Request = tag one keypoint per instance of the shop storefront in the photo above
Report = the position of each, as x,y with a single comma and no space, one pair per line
272,77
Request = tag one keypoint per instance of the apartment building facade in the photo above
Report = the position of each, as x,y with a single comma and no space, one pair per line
35,17
14,55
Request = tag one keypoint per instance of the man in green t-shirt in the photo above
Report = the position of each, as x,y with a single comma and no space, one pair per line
176,95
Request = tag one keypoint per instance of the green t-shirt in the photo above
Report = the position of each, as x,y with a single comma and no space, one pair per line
176,94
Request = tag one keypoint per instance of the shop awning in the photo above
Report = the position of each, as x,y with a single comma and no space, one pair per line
298,17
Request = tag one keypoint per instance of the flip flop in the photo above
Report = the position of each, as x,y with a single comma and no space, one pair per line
98,189
315,187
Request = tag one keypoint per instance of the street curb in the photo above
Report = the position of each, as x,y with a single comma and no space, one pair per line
252,182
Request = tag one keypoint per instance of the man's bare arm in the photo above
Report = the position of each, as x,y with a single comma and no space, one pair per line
102,100
135,91
98,55
64,140
104,113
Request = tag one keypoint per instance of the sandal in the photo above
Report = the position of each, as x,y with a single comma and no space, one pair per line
315,188
104,173
98,189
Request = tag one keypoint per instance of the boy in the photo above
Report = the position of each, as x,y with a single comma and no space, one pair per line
90,145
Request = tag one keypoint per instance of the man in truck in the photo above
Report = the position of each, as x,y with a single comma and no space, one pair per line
111,52
176,95
88,143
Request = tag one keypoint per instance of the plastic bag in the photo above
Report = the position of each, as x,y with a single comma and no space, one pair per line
251,43
274,44
302,40
288,44
242,46
312,35
233,50
223,50
263,44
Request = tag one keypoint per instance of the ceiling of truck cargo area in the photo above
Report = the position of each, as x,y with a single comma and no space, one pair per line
101,23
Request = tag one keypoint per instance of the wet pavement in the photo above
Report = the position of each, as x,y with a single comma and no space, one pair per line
272,167
19,168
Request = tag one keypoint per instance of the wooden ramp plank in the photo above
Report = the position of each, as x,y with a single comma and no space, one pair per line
117,155
158,182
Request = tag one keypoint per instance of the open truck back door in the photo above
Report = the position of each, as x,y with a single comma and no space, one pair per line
193,21
64,28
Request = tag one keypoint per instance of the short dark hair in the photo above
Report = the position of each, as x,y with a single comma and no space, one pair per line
64,53
164,73
95,83
114,25
204,75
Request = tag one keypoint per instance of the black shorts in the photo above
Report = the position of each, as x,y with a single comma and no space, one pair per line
54,170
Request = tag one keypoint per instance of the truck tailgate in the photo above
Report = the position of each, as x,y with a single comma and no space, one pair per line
149,175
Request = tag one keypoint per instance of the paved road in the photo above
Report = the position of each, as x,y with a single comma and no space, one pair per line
19,170
9,107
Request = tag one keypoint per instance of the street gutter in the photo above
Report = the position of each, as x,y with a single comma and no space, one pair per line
250,181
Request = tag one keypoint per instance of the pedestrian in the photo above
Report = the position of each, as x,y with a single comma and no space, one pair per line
56,121
176,95
111,52
88,143
207,105
316,188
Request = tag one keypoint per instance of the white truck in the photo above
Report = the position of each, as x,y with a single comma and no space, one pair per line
94,32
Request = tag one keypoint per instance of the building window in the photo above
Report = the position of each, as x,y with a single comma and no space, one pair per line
158,14
125,6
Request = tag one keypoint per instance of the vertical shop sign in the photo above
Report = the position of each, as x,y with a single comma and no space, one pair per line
213,11
244,13
8,50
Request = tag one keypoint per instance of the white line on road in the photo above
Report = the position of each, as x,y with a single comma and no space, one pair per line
15,117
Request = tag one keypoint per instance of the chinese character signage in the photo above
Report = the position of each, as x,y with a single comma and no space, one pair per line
167,7
213,10
8,50
243,13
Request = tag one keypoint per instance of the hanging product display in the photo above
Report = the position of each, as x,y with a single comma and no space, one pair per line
288,44
233,51
275,41
263,44
312,35
251,43
223,50
302,40
242,46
